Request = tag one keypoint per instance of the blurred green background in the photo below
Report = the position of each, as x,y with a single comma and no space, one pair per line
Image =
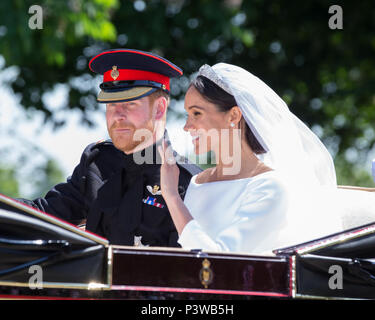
327,77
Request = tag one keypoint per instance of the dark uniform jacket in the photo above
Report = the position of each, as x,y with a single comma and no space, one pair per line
119,198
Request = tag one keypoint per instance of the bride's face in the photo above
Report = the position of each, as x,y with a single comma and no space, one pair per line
204,122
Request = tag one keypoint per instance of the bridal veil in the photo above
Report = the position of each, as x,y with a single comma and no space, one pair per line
292,149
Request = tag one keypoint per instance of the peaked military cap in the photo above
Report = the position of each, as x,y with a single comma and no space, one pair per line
130,74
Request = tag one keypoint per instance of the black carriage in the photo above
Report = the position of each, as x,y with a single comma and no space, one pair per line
42,257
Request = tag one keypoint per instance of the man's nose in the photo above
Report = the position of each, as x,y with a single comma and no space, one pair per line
120,112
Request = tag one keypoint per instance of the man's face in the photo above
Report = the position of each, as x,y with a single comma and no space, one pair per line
125,119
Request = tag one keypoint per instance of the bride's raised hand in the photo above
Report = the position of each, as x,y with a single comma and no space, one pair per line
169,171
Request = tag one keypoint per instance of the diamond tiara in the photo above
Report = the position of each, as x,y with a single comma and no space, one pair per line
209,73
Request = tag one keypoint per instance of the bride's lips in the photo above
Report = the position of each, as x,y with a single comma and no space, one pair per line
194,139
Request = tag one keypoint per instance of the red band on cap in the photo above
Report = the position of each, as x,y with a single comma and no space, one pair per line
129,74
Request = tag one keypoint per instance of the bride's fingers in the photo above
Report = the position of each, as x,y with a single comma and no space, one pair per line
161,152
168,153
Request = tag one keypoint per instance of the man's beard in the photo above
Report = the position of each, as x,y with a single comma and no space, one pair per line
128,142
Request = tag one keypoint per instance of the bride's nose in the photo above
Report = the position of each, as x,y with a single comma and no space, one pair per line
188,126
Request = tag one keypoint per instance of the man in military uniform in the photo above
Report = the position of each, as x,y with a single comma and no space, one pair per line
116,185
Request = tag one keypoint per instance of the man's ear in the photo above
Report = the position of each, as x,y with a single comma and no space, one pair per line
161,107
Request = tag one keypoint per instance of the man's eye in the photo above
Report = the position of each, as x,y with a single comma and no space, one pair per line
196,113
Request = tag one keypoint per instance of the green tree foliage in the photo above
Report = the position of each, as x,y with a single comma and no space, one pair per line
30,172
8,181
58,52
326,76
41,177
44,177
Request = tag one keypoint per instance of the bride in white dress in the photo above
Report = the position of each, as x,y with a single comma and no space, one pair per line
265,191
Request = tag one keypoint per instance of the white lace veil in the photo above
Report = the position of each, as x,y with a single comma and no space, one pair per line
292,148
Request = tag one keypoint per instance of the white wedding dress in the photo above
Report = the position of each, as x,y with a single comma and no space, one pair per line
252,215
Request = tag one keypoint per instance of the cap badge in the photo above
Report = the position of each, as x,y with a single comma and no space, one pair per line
114,73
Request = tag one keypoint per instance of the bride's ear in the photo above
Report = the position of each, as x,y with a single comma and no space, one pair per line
235,116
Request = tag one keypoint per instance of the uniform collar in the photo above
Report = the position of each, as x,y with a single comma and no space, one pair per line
140,160
146,158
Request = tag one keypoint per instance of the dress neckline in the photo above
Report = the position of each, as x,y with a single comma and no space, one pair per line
193,179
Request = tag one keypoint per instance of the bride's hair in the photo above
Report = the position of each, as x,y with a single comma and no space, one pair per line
224,102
